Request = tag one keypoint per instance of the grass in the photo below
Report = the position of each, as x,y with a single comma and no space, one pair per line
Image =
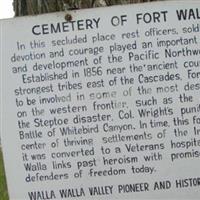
3,187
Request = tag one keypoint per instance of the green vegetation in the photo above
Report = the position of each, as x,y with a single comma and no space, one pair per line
3,187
